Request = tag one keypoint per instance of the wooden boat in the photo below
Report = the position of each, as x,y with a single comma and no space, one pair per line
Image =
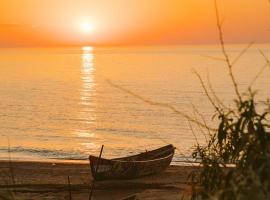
143,164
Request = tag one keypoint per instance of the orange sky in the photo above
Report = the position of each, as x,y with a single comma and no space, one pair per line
140,22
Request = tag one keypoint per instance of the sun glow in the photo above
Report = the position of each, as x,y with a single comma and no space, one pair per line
87,27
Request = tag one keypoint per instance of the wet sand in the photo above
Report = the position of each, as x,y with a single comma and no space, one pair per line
46,180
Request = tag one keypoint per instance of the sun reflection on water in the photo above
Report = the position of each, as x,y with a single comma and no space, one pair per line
87,73
87,93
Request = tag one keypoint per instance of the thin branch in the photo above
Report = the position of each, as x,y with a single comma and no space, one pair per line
221,104
236,58
200,129
265,57
242,53
226,56
10,163
164,105
267,64
206,91
258,75
203,119
69,189
193,132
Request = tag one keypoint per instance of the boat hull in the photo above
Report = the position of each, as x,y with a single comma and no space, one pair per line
140,165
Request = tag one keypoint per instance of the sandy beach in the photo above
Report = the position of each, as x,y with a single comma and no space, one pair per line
46,180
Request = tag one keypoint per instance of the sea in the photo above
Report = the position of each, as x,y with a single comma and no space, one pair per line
64,103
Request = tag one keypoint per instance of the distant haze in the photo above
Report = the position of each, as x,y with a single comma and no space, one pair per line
130,22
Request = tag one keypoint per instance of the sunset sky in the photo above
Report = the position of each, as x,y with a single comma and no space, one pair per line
130,22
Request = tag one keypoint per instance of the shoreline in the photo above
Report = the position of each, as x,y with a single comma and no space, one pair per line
86,161
49,180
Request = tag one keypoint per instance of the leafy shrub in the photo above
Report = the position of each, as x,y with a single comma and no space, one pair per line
242,139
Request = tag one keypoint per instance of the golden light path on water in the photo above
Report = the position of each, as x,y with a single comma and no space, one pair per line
87,112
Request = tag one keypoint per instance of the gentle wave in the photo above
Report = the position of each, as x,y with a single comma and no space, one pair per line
46,153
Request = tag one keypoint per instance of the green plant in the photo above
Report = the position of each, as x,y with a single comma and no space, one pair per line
242,140
235,162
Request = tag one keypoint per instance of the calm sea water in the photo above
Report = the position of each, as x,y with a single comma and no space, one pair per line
56,103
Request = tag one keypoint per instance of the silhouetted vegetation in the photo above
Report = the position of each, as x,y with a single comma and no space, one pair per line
235,162
243,139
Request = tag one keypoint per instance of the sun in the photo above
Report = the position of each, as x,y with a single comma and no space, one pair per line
86,27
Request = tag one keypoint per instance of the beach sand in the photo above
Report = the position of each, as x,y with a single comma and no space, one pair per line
47,180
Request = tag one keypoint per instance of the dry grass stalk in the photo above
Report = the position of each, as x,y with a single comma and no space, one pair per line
225,54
